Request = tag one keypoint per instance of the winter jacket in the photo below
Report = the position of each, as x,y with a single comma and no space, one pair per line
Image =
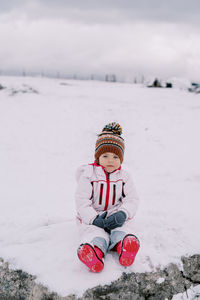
99,191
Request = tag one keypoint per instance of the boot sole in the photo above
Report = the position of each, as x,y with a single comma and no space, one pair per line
130,247
88,256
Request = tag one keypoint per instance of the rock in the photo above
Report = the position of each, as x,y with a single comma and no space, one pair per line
2,87
140,286
19,285
191,268
159,285
24,90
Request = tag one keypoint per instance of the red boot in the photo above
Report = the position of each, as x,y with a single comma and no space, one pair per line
92,257
127,249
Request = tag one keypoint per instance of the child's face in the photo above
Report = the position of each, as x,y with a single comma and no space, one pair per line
110,161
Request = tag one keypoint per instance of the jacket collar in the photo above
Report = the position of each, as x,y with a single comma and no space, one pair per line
101,170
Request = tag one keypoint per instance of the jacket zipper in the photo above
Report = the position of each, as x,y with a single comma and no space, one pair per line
101,193
108,190
114,194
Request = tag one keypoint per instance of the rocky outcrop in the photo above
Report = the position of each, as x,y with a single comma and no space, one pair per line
160,285
19,285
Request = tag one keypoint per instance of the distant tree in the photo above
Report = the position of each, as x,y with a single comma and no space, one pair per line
156,83
142,79
110,78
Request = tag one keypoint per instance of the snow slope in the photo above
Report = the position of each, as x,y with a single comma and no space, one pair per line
45,136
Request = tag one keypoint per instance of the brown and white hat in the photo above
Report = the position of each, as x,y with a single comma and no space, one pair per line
110,140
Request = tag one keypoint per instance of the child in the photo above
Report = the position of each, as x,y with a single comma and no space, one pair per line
106,203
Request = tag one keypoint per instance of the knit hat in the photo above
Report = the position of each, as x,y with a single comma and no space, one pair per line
110,140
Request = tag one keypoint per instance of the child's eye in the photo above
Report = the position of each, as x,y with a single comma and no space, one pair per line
104,155
115,156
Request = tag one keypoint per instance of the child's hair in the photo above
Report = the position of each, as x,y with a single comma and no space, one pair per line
110,140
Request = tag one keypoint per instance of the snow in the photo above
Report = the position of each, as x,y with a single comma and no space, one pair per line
192,293
160,280
45,136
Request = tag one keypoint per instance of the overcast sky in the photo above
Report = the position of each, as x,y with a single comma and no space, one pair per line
129,37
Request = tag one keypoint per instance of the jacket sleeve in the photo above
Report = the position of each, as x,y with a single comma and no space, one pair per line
83,194
130,201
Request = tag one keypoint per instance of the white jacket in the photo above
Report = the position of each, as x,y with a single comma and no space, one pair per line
99,191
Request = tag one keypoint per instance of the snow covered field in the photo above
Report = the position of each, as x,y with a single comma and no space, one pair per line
45,136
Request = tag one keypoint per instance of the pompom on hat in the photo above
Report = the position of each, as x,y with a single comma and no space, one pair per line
110,140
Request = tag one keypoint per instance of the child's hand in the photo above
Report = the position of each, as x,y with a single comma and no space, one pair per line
99,221
115,220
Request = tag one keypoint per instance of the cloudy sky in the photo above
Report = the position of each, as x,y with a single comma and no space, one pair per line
125,37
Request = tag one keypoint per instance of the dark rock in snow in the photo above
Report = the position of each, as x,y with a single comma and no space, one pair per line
195,88
169,85
2,87
26,89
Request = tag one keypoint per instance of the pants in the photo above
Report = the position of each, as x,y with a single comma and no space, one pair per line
99,237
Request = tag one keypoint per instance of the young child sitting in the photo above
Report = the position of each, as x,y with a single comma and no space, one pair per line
106,203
